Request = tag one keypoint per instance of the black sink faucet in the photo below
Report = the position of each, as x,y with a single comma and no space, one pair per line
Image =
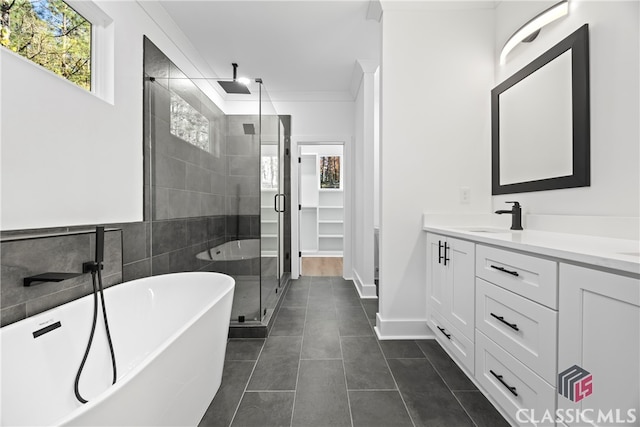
516,215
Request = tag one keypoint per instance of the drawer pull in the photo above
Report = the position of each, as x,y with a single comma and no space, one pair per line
444,333
499,378
440,252
513,273
511,325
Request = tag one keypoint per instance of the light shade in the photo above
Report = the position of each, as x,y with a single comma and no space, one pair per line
546,17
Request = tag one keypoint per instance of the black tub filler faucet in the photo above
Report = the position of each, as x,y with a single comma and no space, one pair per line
516,215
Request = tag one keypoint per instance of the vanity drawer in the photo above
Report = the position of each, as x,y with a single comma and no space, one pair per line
532,277
496,370
452,339
523,328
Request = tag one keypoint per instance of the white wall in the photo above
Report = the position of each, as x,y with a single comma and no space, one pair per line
614,41
436,75
320,122
68,156
364,181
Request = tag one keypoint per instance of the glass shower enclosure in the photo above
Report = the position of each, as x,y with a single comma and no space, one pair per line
214,180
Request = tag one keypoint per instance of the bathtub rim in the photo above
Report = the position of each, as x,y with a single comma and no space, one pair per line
122,381
206,254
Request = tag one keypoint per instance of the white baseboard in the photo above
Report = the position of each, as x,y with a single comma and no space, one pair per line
365,290
405,329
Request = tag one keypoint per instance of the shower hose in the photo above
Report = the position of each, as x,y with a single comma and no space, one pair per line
93,329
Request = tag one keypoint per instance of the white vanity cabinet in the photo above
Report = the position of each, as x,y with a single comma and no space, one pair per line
516,330
450,294
599,330
546,324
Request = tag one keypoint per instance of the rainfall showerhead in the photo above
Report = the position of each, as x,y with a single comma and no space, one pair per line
234,86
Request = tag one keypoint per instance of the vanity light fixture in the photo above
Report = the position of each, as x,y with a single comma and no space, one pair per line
529,31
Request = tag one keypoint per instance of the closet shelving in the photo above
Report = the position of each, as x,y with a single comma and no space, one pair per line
321,213
268,222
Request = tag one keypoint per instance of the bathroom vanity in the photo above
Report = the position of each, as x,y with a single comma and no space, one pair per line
518,309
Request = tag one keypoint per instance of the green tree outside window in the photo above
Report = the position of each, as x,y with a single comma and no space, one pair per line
51,34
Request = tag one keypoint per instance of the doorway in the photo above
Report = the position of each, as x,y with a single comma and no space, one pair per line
321,209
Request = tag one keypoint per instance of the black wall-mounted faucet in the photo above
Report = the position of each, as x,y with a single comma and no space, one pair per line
516,215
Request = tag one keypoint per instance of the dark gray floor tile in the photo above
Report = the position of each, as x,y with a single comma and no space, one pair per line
415,375
277,367
435,408
429,400
378,408
296,296
261,409
320,303
446,367
370,308
353,322
244,349
346,297
321,398
338,281
235,376
326,314
321,280
402,349
290,322
480,409
317,290
364,364
321,337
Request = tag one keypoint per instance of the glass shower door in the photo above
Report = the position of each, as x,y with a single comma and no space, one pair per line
272,204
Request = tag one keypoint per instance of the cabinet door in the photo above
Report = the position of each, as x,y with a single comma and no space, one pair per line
436,292
460,285
599,330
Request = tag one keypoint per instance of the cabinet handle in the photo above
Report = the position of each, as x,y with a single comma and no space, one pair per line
499,377
446,248
513,273
439,252
444,333
511,325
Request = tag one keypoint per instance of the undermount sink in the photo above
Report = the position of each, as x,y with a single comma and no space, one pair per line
484,230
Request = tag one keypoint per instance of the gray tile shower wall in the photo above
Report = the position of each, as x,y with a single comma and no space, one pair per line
63,251
198,198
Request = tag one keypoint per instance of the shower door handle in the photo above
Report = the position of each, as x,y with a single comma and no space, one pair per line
276,204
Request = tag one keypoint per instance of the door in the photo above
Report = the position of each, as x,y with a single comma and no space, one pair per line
272,206
599,331
435,273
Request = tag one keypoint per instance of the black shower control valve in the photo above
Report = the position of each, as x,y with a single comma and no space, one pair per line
91,267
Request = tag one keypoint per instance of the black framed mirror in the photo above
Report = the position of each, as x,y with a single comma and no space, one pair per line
540,127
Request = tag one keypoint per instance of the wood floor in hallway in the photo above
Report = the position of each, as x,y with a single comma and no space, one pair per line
322,266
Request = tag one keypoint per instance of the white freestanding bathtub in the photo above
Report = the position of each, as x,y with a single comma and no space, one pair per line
235,250
169,334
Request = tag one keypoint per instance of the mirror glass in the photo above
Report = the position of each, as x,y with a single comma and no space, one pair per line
540,122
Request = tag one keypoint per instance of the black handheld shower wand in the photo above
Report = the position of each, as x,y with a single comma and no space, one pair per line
95,268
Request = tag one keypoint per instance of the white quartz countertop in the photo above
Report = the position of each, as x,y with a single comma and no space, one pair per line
617,254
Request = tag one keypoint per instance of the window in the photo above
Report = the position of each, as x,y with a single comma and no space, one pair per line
51,34
189,124
269,172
